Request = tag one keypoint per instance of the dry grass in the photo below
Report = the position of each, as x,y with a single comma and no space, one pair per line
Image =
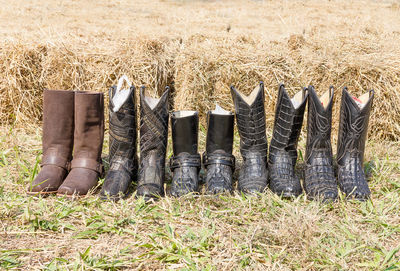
203,48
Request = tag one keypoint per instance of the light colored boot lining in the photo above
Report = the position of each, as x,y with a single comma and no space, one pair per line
297,99
220,111
364,99
325,98
183,113
152,102
251,98
120,98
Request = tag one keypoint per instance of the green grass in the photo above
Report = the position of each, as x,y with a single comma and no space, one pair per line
195,233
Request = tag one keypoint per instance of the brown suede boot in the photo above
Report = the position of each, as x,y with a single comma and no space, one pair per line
86,167
58,139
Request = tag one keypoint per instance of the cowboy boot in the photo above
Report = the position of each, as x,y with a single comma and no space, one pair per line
153,144
250,119
319,182
122,157
283,148
186,162
218,159
354,117
86,166
58,140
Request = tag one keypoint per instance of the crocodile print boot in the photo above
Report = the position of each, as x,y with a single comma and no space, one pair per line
186,162
250,119
86,166
122,156
218,159
319,182
153,145
58,140
283,148
354,117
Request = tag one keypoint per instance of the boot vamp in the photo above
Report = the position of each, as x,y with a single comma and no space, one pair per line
320,181
185,181
282,177
79,181
218,179
116,184
352,179
49,179
151,176
253,175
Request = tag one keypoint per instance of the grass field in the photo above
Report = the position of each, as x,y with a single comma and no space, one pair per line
201,47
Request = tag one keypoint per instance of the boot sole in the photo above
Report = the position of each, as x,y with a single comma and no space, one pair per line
37,194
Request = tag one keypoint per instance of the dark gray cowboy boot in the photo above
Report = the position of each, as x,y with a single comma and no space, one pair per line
320,181
283,148
58,140
354,117
122,145
153,144
250,119
218,159
186,162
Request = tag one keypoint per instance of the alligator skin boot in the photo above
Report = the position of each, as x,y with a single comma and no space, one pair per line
122,156
86,166
319,182
354,117
186,162
153,145
283,148
218,159
250,119
58,140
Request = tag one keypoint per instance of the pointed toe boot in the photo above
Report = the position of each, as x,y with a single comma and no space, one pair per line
186,162
86,165
122,151
320,182
218,159
250,119
354,118
153,145
283,148
58,139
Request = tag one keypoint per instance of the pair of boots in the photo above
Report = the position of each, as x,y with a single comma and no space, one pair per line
73,122
185,163
319,180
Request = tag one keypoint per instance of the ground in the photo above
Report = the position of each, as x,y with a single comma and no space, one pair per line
201,47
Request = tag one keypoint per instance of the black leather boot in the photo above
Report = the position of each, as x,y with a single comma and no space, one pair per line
319,182
186,162
354,117
283,148
153,144
122,156
218,159
250,119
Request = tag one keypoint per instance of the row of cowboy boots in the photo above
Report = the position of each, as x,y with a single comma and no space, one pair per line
185,163
73,123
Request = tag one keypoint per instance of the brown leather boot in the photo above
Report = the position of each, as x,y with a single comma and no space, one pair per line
86,166
58,139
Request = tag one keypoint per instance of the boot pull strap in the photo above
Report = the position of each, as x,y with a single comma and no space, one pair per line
219,158
88,164
187,160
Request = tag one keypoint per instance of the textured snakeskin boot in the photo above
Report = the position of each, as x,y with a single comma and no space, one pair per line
283,148
319,182
354,117
122,149
186,162
250,119
153,145
218,158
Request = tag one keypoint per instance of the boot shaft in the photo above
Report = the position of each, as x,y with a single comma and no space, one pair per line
353,125
219,131
250,119
185,126
123,125
319,122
